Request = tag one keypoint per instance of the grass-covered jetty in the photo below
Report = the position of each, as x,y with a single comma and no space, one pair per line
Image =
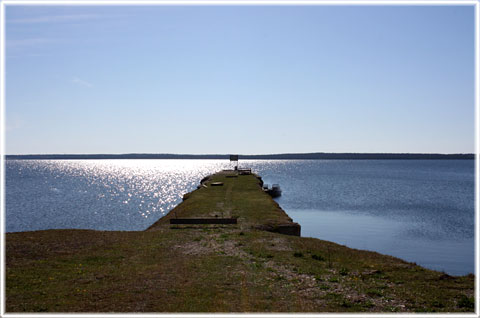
249,266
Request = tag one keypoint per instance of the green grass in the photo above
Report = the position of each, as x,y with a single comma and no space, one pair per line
234,268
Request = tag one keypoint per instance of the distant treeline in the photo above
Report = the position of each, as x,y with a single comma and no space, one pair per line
287,156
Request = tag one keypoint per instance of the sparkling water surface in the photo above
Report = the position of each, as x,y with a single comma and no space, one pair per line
97,194
419,210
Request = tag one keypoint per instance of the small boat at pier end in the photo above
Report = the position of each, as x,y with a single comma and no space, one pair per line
274,191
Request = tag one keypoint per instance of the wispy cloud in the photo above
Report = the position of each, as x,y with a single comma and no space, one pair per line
63,18
28,42
28,55
56,18
81,82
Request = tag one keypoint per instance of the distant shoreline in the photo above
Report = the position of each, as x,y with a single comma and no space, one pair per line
285,156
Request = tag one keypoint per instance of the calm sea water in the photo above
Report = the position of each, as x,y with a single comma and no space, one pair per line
421,211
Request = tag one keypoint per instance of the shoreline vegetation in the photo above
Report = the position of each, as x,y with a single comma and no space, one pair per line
243,267
284,156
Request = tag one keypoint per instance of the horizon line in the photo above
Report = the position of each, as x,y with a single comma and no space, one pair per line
227,154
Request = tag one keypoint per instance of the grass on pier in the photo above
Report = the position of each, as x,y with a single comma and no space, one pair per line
231,268
238,197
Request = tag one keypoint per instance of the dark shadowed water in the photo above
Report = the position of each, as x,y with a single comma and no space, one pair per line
419,210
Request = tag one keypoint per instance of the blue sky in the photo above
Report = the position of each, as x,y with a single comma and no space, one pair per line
239,79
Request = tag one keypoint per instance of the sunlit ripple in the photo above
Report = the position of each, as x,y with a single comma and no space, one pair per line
98,194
